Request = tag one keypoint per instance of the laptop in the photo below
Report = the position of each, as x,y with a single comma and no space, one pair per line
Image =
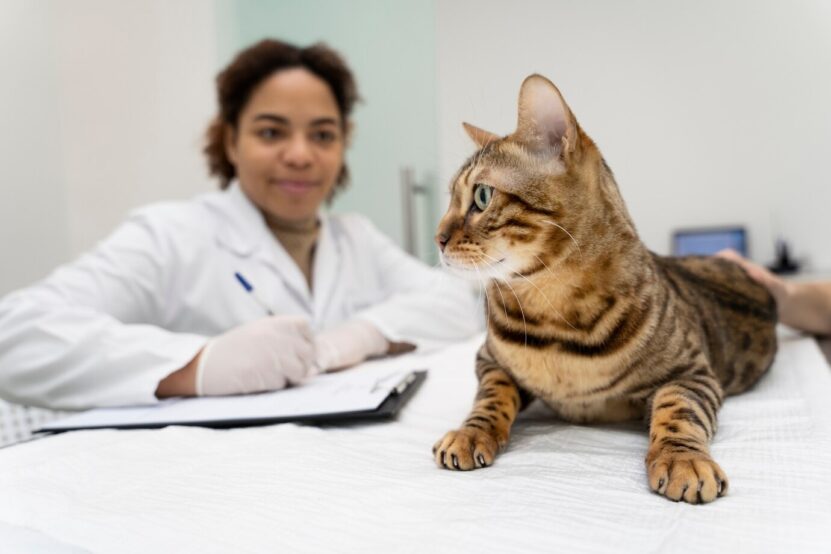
706,241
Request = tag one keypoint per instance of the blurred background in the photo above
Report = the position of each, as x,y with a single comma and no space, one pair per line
711,113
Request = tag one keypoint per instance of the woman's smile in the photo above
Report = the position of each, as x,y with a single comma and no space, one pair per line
295,186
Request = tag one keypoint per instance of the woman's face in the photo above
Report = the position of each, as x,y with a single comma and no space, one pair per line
289,144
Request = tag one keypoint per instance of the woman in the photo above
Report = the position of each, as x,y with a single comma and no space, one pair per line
163,306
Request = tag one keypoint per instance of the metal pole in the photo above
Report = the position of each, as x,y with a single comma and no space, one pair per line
409,189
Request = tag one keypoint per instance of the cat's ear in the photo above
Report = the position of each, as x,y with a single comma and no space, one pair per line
545,123
480,136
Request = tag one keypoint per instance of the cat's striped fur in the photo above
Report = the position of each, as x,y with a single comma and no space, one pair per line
582,316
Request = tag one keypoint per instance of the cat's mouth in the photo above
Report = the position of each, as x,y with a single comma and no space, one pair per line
455,264
472,271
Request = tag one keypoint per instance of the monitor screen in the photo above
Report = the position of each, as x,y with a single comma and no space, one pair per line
709,241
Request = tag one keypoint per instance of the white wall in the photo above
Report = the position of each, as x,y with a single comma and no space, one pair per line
33,219
709,112
104,111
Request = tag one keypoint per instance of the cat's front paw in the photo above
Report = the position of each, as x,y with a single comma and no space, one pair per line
689,476
466,449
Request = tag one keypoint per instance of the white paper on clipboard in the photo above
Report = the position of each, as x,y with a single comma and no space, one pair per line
355,390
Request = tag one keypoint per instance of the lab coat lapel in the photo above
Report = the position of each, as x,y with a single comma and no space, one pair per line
272,253
249,236
326,268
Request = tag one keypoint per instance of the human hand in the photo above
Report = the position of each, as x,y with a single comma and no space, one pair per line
802,305
778,287
263,355
348,344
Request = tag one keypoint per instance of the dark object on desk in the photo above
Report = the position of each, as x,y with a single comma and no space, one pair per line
706,241
389,407
825,345
784,263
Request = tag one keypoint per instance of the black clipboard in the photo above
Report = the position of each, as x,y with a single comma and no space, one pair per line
388,409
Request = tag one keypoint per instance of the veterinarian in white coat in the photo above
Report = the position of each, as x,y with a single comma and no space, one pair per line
157,309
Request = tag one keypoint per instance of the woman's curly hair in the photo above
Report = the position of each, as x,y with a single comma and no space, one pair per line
238,80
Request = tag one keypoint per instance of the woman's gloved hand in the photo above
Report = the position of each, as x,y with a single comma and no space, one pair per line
266,354
348,344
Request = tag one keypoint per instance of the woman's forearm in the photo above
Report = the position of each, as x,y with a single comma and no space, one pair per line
181,382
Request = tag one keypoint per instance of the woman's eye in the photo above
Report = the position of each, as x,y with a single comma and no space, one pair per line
324,137
268,133
482,196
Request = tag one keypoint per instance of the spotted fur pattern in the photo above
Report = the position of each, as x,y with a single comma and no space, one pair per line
582,316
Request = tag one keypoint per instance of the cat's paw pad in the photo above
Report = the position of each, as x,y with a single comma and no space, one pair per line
691,477
465,449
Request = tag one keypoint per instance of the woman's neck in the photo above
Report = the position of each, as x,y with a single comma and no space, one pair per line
298,238
280,224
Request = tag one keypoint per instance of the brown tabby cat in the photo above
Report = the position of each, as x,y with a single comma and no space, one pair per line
582,315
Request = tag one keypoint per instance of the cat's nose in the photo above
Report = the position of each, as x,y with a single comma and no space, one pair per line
442,239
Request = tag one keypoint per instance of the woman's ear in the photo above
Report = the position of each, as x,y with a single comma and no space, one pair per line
229,137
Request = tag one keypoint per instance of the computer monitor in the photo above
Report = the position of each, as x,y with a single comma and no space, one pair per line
707,241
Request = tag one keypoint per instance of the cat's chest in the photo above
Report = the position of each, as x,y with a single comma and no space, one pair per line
569,385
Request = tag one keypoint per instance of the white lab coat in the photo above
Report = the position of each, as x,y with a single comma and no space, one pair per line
104,330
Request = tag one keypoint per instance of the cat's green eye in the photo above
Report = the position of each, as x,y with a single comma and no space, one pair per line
482,196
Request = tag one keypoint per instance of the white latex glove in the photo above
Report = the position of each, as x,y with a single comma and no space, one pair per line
266,354
348,344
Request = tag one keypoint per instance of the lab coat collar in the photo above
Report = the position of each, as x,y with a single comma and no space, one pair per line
247,234
244,229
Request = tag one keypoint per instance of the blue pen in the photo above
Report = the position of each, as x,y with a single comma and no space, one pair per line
250,290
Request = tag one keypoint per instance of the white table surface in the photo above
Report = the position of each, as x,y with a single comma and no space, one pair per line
374,487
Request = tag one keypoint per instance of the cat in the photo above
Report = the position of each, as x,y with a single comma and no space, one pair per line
582,315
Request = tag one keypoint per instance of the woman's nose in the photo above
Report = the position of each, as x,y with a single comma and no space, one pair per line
298,153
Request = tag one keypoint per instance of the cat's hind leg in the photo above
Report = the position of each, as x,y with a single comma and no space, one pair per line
682,423
487,428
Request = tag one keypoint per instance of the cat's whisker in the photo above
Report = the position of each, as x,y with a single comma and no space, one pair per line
481,153
548,268
442,266
504,307
444,271
550,304
553,274
569,234
483,285
556,311
478,157
521,311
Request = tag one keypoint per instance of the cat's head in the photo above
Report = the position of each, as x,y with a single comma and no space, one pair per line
527,200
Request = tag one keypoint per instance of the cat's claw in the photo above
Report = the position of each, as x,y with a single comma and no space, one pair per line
465,449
